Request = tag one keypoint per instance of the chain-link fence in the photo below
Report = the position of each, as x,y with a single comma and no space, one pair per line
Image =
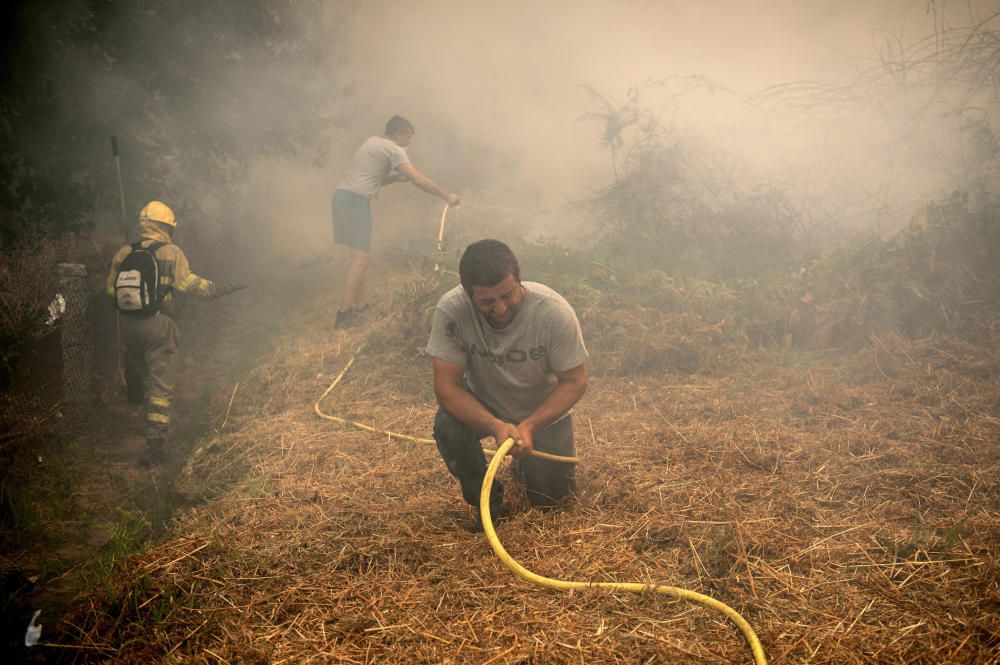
76,340
55,379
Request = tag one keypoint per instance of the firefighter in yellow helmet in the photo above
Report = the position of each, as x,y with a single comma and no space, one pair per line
144,276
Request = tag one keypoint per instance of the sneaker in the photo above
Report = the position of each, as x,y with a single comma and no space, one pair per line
154,454
346,319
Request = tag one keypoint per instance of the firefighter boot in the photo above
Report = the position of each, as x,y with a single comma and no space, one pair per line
154,455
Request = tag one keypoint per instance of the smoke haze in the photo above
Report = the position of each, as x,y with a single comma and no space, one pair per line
498,93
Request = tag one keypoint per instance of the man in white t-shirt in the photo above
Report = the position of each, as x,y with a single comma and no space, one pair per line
509,362
381,160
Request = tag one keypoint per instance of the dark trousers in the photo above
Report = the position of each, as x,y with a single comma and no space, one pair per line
545,481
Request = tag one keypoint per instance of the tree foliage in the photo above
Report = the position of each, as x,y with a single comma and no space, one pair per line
917,122
937,98
677,202
195,91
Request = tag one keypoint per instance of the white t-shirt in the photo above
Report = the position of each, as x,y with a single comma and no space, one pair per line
377,157
511,370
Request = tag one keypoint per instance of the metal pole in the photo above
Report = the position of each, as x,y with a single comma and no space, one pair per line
121,187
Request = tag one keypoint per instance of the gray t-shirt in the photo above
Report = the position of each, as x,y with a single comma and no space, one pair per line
377,157
511,370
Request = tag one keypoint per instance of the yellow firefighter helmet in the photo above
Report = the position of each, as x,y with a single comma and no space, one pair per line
157,211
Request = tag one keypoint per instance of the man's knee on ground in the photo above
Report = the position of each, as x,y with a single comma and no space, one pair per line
547,483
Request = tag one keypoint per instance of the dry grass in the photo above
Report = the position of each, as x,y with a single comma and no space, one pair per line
850,512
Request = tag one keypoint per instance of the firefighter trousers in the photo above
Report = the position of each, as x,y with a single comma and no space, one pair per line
151,350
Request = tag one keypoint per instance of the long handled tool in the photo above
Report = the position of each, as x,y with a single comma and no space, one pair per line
127,371
121,187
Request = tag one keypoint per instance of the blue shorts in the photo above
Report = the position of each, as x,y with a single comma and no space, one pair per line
352,220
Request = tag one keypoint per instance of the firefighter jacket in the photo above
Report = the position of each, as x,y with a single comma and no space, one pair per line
175,273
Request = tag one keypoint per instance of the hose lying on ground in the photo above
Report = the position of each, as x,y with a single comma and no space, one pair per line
521,571
396,435
634,587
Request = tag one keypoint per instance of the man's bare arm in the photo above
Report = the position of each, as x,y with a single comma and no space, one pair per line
393,178
428,185
571,386
462,405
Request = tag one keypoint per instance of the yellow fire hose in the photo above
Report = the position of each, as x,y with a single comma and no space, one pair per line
521,571
396,435
634,587
440,244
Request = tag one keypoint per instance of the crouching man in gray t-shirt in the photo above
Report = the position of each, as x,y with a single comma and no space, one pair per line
509,361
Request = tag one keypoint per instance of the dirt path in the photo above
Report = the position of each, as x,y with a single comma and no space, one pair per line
92,504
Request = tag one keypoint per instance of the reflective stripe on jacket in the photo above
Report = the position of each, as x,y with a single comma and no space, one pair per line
175,273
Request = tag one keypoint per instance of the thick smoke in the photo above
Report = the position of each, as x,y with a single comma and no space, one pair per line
499,94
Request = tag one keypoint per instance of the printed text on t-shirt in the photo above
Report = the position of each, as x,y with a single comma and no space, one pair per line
511,356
